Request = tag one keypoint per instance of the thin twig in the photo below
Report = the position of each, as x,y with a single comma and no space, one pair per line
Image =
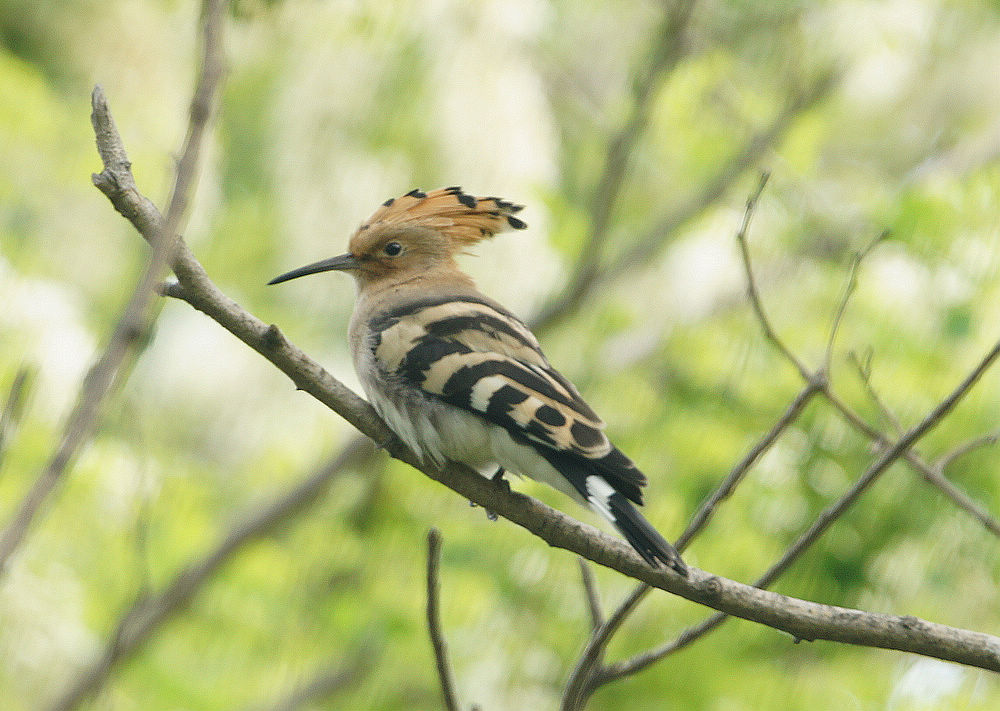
725,489
864,370
667,49
137,316
653,241
445,675
936,477
579,687
948,458
753,293
593,597
850,285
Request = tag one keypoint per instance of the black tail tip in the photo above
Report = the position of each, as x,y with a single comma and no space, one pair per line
659,554
646,540
673,561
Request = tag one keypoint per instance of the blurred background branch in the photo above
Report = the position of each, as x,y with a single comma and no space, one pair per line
136,319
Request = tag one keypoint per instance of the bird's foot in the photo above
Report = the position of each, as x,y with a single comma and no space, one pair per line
498,478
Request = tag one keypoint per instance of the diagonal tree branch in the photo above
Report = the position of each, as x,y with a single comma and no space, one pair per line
726,488
138,314
328,682
667,48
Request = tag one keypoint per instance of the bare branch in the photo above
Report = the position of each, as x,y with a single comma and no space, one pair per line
716,187
936,477
849,287
338,677
864,369
445,675
636,664
653,241
148,613
593,597
666,50
948,458
753,293
138,314
726,488
590,665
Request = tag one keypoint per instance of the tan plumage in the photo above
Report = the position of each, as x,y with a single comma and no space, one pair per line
460,378
460,217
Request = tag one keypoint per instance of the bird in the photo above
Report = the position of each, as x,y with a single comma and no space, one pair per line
459,378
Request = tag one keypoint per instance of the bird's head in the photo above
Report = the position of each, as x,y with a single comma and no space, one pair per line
416,234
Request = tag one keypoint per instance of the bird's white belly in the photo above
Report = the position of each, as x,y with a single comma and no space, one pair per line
444,433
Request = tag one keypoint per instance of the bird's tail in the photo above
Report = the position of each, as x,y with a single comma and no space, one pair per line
612,502
615,506
639,532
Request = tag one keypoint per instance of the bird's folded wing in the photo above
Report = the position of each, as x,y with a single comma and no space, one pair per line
475,355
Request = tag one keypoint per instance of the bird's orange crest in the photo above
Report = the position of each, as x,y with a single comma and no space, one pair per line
463,218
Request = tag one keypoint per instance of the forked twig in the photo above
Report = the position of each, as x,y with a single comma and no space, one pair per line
592,594
753,292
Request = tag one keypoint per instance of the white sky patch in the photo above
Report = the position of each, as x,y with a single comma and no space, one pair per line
927,684
43,323
701,270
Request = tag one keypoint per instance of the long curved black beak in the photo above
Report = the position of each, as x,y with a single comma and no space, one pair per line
343,262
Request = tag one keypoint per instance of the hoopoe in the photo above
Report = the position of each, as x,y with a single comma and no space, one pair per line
458,377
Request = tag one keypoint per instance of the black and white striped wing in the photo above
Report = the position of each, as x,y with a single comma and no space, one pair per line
475,355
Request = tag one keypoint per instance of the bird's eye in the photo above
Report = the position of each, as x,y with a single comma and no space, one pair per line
393,249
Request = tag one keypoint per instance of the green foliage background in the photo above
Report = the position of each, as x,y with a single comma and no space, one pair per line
331,107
